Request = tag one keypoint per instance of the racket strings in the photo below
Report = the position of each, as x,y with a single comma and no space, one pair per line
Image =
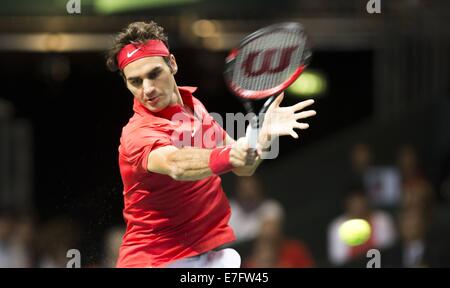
264,72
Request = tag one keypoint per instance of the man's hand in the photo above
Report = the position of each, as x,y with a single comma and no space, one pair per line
240,154
280,121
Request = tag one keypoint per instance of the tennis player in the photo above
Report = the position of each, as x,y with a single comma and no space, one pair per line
174,207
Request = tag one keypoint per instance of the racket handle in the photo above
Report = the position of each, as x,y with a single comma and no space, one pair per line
251,156
252,138
252,134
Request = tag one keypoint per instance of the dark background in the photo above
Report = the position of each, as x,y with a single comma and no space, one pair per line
391,89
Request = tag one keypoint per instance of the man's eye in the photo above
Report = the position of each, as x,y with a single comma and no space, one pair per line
136,82
154,74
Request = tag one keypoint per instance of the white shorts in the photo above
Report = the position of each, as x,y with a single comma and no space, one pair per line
225,258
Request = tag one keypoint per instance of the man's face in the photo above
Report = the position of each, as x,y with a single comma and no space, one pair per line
151,82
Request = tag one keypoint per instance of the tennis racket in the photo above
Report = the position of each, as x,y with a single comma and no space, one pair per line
265,63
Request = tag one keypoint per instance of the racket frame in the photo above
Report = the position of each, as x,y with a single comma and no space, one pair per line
246,95
260,94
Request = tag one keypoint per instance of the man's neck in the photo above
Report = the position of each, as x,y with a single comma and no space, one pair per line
177,99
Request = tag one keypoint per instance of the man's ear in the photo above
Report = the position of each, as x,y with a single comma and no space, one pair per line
173,64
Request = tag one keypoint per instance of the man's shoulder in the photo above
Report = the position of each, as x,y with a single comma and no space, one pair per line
137,130
143,125
197,102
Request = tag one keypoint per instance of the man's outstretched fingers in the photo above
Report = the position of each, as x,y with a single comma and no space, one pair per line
305,114
301,125
293,134
303,104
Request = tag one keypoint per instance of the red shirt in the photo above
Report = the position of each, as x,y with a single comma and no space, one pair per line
168,219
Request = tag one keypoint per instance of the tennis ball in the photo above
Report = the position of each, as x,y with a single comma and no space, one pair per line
354,232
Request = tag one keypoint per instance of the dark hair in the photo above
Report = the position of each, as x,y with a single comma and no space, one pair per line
136,32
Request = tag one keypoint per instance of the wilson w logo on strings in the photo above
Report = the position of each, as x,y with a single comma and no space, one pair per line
268,59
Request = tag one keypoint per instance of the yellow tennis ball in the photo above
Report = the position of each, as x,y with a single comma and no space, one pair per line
354,232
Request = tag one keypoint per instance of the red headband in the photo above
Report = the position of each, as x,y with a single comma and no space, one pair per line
133,52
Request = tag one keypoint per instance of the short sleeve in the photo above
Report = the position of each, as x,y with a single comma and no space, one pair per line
137,145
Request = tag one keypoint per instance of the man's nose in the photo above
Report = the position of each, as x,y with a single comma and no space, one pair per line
148,87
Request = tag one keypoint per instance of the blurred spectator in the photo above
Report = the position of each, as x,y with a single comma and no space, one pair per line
424,234
272,249
6,228
409,166
15,240
416,190
360,161
356,206
6,109
54,239
250,208
113,240
410,250
383,186
381,183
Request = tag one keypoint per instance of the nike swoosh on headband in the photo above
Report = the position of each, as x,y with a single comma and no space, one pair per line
129,54
151,48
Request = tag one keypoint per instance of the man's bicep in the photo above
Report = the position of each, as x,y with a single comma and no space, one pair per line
157,160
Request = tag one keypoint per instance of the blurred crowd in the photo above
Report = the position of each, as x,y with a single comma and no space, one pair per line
24,243
402,207
258,223
398,201
27,244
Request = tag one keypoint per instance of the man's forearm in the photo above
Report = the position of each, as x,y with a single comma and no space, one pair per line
189,164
